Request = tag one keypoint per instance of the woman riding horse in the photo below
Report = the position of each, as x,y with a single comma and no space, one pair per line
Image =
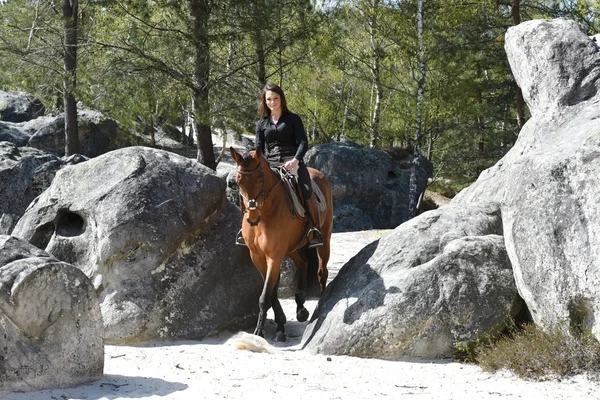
270,229
281,137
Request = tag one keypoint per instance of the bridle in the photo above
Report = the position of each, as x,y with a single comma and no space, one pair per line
252,204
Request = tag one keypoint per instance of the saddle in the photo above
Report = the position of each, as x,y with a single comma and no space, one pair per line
294,194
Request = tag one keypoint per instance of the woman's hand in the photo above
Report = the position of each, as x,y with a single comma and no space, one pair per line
290,165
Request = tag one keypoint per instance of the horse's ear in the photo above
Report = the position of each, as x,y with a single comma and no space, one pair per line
235,155
257,152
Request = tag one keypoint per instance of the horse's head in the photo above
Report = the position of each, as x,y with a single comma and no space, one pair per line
248,161
250,176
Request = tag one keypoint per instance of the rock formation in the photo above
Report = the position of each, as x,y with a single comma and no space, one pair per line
24,174
369,189
440,279
547,184
154,232
50,321
543,196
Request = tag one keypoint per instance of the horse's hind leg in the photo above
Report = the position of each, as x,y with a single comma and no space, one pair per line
324,253
300,262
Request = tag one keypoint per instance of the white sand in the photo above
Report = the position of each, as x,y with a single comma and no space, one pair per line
214,369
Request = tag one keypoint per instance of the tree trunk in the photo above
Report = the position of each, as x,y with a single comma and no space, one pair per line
261,74
230,58
152,108
183,128
421,82
520,102
280,47
70,14
259,50
200,12
413,191
376,72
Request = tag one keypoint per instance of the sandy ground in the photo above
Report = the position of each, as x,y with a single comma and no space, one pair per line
215,369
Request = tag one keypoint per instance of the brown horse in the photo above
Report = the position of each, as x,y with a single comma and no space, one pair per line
272,232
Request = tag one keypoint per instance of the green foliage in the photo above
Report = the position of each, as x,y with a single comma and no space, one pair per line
446,187
31,54
137,61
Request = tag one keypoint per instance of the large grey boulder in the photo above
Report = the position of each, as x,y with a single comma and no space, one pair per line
11,133
50,321
436,281
555,64
49,135
154,231
24,174
548,182
19,106
365,179
30,127
98,134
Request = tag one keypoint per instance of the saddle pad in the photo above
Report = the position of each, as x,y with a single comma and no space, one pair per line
298,207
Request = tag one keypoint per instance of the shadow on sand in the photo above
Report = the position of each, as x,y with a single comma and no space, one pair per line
109,387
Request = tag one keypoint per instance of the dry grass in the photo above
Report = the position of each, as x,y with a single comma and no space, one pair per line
532,353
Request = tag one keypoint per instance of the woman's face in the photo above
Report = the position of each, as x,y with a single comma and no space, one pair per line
273,101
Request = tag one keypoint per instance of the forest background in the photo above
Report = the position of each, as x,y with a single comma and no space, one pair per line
430,76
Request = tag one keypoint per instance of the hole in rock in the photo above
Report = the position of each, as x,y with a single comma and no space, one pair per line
69,224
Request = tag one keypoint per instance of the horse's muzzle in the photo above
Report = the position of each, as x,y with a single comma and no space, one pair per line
254,223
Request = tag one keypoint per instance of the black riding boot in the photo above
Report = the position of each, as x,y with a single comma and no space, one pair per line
314,236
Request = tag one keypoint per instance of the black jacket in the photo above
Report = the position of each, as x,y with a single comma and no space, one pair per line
282,141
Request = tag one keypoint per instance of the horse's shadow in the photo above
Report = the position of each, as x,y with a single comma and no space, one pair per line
356,280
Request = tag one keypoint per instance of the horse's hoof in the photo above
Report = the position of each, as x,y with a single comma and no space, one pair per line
279,337
302,314
259,332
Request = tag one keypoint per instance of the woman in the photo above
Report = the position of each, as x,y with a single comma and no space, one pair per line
280,136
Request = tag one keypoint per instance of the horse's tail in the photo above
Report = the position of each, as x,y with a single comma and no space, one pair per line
246,341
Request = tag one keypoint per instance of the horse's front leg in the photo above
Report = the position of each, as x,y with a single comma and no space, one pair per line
263,305
268,298
264,299
280,318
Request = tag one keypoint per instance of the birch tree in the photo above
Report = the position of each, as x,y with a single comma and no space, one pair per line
372,13
70,15
413,191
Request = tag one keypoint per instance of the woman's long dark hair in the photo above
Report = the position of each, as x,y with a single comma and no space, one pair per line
263,110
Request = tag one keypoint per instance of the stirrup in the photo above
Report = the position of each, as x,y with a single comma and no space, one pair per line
316,240
239,239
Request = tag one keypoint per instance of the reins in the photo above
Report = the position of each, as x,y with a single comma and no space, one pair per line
252,204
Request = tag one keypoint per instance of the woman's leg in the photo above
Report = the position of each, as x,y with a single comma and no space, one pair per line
315,239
